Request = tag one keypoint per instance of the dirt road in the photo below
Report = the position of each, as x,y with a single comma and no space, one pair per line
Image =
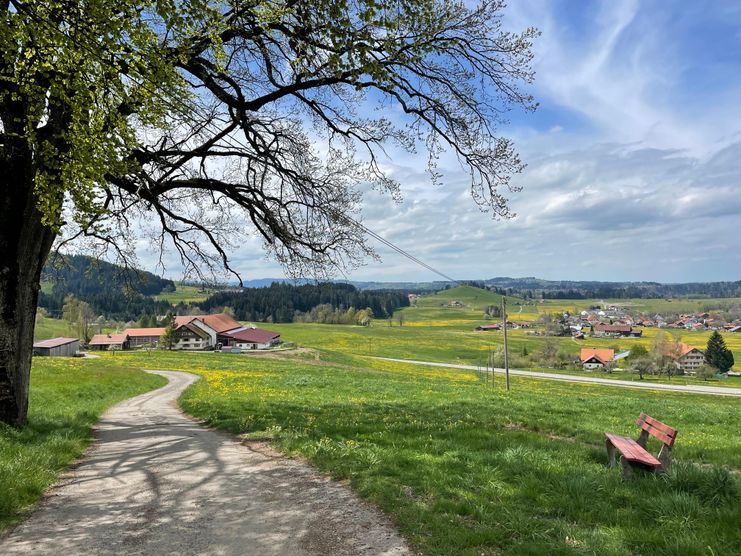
156,482
691,388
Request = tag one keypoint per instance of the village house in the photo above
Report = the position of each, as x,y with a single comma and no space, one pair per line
687,358
64,347
596,358
624,330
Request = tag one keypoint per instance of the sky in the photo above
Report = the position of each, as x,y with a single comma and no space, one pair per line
633,158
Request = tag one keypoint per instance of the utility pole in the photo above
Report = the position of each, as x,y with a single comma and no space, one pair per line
506,353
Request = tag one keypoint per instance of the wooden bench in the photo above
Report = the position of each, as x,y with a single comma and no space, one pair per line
633,452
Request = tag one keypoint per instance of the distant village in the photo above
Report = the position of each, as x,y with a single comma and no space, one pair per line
616,322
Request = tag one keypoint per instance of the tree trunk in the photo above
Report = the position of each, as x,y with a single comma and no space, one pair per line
24,245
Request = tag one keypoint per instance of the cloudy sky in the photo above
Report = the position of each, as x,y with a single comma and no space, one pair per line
634,158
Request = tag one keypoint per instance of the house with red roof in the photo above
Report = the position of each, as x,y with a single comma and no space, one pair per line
193,332
616,330
687,358
596,358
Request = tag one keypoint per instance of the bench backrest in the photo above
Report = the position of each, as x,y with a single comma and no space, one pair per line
658,429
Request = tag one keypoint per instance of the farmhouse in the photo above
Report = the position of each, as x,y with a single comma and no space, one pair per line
616,330
66,347
102,342
191,335
489,327
192,332
220,329
596,358
139,337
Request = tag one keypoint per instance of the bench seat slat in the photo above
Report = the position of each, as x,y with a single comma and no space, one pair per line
631,450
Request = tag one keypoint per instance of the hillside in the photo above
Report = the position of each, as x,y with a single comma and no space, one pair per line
112,290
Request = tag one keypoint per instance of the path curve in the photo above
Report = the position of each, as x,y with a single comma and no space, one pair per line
157,482
689,388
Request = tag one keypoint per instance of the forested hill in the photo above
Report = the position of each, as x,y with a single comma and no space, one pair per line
281,302
110,289
566,289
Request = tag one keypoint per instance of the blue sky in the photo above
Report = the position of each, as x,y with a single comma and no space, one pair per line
634,158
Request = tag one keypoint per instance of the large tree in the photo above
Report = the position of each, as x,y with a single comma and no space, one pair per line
717,354
203,122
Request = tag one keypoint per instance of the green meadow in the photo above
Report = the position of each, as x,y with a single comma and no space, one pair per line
434,331
460,465
185,294
68,395
50,328
465,467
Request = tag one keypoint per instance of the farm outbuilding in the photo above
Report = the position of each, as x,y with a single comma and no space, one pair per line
249,338
108,342
57,347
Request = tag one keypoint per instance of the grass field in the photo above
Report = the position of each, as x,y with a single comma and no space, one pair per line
460,466
185,294
67,397
50,328
459,343
464,468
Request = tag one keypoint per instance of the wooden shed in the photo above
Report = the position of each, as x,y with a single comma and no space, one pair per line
64,347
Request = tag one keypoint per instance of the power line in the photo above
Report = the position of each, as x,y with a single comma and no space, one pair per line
227,139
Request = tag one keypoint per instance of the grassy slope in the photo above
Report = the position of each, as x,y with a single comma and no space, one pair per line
50,328
47,327
67,397
469,469
459,343
434,332
184,293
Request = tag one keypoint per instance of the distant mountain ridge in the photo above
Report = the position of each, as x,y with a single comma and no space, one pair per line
551,289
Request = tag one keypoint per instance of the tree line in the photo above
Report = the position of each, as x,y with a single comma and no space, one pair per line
306,303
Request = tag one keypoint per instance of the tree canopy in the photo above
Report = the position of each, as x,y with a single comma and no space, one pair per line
204,123
200,116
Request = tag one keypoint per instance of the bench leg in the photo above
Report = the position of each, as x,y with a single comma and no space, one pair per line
610,454
627,469
665,457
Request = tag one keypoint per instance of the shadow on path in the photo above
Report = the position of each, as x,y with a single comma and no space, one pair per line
156,482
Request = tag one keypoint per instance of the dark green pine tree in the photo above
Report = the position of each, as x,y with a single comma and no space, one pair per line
717,354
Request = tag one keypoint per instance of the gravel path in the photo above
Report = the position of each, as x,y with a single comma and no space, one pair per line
691,388
156,482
